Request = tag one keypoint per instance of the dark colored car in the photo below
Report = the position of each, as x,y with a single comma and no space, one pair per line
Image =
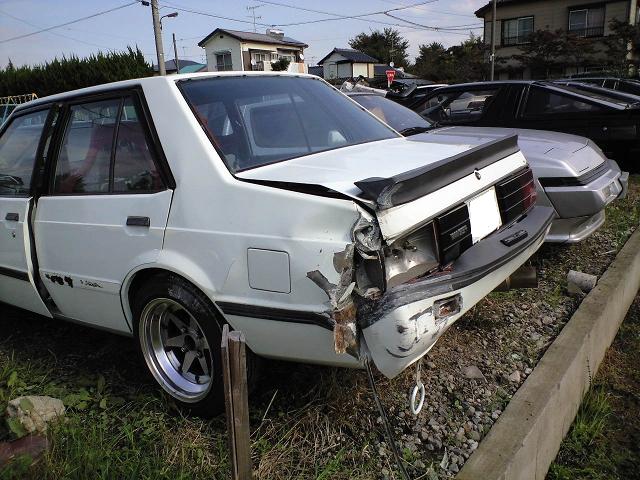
610,119
626,85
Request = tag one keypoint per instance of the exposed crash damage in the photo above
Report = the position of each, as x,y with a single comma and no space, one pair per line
400,289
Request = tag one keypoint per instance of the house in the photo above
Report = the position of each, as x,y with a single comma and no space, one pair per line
241,51
342,63
186,66
517,19
316,70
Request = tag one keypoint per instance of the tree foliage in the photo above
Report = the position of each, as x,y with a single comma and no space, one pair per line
61,75
460,63
280,65
542,52
624,39
386,46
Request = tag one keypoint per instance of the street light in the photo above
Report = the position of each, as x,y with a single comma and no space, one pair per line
170,15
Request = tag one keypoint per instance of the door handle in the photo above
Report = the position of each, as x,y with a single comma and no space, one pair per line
138,222
12,217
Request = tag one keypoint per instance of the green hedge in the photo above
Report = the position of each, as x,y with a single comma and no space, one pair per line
73,72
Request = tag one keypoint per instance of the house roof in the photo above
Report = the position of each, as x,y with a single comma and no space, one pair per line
196,67
350,54
170,65
254,37
482,10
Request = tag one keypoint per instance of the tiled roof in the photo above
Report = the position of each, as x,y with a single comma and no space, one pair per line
255,37
352,55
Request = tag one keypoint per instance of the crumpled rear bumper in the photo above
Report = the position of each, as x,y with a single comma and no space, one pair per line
401,327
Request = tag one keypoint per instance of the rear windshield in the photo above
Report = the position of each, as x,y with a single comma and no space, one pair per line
392,113
258,120
586,90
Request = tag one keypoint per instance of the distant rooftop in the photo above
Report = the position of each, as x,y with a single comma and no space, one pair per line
255,37
170,65
350,54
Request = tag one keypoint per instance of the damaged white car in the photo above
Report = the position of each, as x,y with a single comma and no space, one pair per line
165,207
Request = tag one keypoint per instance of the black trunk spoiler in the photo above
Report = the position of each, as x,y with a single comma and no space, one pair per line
408,186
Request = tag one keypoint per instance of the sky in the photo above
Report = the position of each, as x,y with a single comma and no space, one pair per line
132,25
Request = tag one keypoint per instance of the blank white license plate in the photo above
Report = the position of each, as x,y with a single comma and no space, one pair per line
484,214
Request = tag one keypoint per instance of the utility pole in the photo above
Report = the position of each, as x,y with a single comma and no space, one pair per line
253,14
175,52
493,42
158,33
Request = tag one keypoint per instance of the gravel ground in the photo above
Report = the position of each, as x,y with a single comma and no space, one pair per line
307,421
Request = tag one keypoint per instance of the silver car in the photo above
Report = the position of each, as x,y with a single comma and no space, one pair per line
572,174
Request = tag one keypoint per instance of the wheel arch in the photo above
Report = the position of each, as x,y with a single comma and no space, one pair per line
137,276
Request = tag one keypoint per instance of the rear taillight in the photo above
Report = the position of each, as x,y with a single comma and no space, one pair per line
453,233
516,195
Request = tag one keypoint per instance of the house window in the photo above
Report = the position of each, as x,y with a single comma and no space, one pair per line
516,31
223,62
587,22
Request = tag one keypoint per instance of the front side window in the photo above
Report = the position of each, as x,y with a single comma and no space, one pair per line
18,149
516,31
254,121
105,149
223,62
544,102
587,22
466,105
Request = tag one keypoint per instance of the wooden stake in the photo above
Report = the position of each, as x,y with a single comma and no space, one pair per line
234,374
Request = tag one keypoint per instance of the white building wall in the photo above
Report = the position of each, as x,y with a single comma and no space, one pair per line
219,45
360,69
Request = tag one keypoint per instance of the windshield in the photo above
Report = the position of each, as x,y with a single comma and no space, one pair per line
392,113
258,120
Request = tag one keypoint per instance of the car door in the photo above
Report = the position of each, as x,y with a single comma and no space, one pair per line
21,141
106,208
550,109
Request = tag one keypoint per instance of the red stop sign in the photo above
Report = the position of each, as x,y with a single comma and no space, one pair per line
391,74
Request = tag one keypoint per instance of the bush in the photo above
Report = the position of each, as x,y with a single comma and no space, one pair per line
280,65
73,72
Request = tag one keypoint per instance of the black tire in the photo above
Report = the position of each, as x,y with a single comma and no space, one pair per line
176,292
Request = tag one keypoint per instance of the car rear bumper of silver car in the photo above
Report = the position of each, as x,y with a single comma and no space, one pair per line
410,318
580,208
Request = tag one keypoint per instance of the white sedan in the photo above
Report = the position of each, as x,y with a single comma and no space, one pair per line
164,207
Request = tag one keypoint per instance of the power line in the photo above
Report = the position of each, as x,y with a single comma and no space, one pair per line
206,14
450,29
69,22
430,10
338,16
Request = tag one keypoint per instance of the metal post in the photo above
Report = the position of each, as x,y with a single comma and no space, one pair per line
158,33
493,41
234,375
175,53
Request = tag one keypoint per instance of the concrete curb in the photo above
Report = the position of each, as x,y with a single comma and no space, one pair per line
527,436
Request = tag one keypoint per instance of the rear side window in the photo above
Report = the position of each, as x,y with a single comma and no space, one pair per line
18,149
105,149
255,121
542,102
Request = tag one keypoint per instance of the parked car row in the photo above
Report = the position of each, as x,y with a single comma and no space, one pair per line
572,174
610,118
165,207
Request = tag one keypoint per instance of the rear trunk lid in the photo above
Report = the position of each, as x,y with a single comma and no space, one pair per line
549,153
404,182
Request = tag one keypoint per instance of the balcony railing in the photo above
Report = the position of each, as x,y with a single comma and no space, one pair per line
588,32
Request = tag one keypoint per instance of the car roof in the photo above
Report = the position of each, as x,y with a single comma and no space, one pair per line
149,81
615,102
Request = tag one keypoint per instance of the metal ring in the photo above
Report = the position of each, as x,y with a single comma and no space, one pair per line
414,394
